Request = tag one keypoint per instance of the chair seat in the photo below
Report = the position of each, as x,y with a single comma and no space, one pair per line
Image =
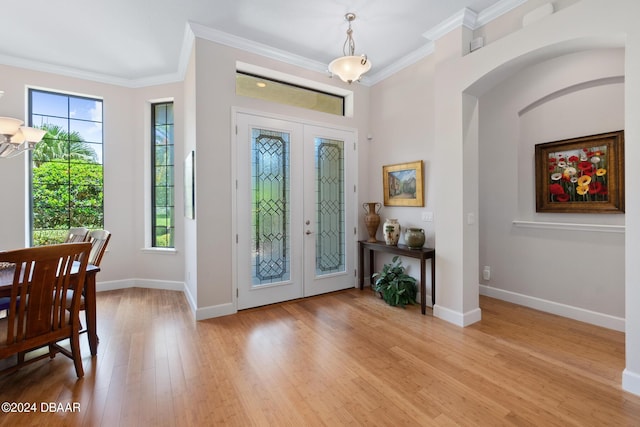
70,299
3,327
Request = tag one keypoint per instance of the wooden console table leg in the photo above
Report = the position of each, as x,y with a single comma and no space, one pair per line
372,263
433,280
423,287
361,265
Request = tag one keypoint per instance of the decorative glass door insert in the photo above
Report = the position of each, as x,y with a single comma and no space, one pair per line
293,211
329,159
270,195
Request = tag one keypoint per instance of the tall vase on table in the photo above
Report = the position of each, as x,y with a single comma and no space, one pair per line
372,219
391,228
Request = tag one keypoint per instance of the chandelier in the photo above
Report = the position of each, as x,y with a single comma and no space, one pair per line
350,67
15,138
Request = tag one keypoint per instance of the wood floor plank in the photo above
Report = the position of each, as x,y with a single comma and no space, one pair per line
344,358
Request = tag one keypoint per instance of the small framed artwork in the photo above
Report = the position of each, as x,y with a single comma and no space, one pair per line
581,175
402,184
189,186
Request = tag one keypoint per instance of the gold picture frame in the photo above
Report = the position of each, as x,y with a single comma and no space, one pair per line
581,175
402,184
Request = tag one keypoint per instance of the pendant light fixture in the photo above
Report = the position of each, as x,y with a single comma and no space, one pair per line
350,67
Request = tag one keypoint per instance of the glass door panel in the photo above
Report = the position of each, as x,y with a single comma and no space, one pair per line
295,210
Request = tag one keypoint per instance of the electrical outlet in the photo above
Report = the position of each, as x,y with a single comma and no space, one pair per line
486,273
471,218
427,216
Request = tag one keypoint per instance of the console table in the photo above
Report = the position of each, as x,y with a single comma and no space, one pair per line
422,254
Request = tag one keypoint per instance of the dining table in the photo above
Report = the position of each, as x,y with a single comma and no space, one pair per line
6,283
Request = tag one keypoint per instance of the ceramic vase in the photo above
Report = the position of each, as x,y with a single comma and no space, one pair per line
372,219
391,228
414,238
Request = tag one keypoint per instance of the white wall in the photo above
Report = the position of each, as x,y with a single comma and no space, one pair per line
579,94
215,68
459,81
190,225
402,114
126,140
571,30
429,111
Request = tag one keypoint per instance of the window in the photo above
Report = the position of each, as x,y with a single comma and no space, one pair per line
66,166
255,86
162,176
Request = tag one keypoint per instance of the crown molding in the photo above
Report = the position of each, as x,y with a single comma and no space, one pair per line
251,46
185,52
13,61
497,10
465,17
402,63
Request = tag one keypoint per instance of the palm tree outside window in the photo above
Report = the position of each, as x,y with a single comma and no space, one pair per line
67,185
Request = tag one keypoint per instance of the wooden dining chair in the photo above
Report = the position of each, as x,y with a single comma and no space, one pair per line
39,313
99,240
77,234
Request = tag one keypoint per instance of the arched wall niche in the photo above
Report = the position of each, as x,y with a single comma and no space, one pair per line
609,79
546,260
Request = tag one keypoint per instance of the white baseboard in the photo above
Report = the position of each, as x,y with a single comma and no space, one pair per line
631,382
140,283
456,317
576,313
199,313
191,300
215,311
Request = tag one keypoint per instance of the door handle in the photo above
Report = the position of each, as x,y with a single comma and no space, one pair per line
308,232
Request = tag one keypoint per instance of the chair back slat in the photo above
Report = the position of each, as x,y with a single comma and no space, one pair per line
99,240
77,234
39,312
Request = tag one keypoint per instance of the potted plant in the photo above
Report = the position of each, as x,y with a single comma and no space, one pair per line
394,285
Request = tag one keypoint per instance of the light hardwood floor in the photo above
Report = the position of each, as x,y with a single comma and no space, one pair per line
339,359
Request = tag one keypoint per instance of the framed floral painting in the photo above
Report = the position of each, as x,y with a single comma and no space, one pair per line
581,175
402,184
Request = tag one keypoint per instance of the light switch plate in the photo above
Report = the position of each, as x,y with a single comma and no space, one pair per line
427,216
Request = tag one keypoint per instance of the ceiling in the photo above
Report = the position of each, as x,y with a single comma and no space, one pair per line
131,42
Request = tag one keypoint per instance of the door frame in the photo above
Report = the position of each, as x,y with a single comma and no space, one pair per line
234,190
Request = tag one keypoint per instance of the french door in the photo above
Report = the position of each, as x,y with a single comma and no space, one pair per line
295,210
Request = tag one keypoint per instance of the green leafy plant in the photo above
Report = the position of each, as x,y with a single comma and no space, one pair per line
394,285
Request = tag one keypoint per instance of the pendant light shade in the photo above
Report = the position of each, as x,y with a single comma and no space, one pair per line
15,138
349,67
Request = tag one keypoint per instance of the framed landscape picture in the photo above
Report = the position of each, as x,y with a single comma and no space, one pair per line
581,175
402,184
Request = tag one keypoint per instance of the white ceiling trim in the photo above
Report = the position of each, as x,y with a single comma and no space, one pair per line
466,17
402,63
247,45
498,9
13,61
